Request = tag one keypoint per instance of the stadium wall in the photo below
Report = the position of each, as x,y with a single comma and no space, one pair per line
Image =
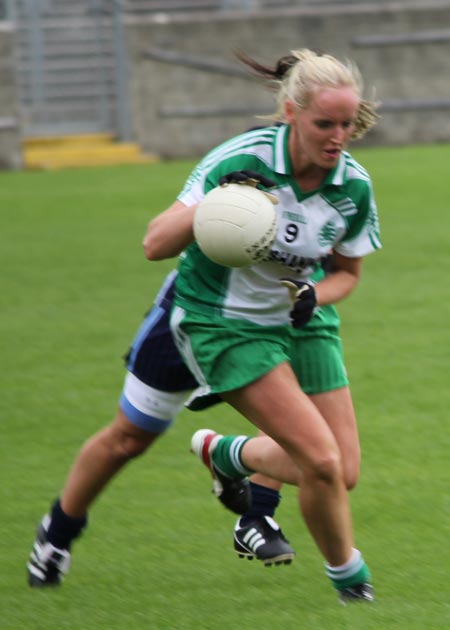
189,93
10,144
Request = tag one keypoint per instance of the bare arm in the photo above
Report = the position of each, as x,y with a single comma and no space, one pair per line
341,281
170,232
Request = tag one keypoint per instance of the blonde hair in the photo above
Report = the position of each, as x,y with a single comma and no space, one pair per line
302,73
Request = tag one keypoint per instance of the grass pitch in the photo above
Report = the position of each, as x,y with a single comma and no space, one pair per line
158,552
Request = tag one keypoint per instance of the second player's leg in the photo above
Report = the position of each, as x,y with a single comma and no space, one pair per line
100,458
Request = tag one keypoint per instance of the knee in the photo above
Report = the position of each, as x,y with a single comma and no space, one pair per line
124,445
130,446
329,467
326,467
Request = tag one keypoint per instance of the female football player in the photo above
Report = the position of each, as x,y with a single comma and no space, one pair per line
235,327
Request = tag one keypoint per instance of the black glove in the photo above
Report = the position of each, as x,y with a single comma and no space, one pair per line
303,296
251,178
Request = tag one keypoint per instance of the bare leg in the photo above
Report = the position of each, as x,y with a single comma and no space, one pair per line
263,480
277,406
267,482
100,458
336,407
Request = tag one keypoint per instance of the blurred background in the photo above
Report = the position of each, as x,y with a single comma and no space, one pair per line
111,81
123,84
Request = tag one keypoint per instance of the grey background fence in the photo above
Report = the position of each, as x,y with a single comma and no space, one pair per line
68,56
10,132
162,72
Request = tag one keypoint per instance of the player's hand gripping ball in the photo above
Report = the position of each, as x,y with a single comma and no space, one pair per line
235,224
252,178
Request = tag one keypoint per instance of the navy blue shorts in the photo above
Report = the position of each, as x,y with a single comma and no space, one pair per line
158,382
153,357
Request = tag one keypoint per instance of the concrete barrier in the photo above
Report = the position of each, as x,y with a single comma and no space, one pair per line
188,92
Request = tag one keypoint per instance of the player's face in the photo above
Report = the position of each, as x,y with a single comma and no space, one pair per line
323,129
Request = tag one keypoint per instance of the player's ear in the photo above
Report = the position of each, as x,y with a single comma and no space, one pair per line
289,111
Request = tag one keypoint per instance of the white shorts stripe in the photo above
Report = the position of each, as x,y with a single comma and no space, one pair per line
153,402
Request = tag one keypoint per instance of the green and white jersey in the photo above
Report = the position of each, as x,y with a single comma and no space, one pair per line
340,215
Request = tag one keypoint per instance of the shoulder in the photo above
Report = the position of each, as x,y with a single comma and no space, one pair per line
254,143
253,149
357,183
354,171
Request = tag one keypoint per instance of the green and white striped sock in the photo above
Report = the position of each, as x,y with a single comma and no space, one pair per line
353,572
227,456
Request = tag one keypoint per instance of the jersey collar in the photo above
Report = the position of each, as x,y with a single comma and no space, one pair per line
282,159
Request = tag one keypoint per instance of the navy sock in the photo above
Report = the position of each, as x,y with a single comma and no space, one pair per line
264,503
63,529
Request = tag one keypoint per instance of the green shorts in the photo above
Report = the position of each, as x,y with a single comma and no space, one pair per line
227,354
316,353
318,363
